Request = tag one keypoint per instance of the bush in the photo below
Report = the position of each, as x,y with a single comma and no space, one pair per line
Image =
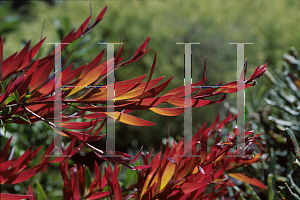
27,97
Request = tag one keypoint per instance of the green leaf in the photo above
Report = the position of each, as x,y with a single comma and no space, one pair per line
135,175
230,191
120,169
238,189
27,96
2,88
16,96
87,178
128,176
297,162
137,163
288,193
292,139
3,127
40,192
26,120
271,188
281,194
295,188
272,160
9,99
252,191
13,97
5,112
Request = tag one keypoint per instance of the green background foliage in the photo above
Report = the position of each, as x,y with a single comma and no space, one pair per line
270,25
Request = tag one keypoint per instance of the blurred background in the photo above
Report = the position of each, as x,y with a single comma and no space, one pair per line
270,25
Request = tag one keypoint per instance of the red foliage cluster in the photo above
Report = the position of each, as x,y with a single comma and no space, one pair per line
29,98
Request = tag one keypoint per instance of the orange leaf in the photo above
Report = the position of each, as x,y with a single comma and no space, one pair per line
129,119
248,179
91,76
168,111
139,89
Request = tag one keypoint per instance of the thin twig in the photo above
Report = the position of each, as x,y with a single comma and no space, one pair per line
120,42
42,35
90,12
33,103
41,118
1,73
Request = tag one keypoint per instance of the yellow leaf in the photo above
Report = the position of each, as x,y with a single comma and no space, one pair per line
167,175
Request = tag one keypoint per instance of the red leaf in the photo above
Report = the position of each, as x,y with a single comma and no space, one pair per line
16,62
91,76
156,90
215,122
92,64
136,157
68,77
23,87
68,39
142,167
94,115
82,27
78,125
6,196
1,50
4,152
44,90
79,136
151,72
204,146
190,187
97,195
148,103
8,60
12,88
104,108
117,58
29,56
17,178
180,91
100,16
5,165
40,75
25,159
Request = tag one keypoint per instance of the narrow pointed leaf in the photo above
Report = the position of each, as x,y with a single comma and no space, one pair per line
248,179
129,119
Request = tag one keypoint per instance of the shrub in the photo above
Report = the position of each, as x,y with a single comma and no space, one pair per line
280,119
27,97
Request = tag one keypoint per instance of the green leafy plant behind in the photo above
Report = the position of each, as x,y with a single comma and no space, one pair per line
280,118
